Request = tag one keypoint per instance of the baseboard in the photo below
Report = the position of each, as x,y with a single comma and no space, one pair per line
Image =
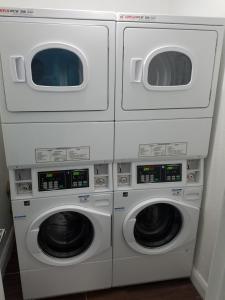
199,282
7,251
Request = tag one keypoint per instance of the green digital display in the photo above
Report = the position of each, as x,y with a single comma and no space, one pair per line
169,168
76,173
49,175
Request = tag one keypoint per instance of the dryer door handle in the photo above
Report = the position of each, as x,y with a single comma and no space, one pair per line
17,68
129,230
136,70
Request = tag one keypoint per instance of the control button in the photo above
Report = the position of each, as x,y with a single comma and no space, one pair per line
56,184
80,183
147,178
45,185
142,178
173,178
74,184
99,181
123,179
168,178
50,186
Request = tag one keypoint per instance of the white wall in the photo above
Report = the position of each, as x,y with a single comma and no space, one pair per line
151,6
215,164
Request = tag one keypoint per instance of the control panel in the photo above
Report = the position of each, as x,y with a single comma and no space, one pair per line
63,179
159,173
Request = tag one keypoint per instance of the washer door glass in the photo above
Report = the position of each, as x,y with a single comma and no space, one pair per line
157,225
65,234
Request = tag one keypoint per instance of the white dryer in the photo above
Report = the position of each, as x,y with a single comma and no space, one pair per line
166,79
167,67
56,65
62,219
156,213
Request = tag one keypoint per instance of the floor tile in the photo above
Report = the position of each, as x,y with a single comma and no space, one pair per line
12,287
110,294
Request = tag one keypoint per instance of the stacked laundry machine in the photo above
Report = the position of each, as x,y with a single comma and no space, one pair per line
105,194
166,77
57,114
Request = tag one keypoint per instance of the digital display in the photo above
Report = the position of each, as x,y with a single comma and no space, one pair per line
159,173
63,179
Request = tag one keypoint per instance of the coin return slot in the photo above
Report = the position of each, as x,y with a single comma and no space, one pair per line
123,174
193,171
101,176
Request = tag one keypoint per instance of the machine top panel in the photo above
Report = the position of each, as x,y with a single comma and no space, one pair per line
100,10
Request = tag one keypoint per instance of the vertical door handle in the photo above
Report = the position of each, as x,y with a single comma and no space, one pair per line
18,68
136,69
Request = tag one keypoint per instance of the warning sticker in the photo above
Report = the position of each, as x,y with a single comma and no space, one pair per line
62,154
154,150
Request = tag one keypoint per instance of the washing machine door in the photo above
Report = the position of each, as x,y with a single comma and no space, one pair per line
68,235
167,68
55,67
157,226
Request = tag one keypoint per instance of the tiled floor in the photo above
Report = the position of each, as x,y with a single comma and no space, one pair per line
169,290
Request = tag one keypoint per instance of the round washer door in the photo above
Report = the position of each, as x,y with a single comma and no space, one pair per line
159,225
68,235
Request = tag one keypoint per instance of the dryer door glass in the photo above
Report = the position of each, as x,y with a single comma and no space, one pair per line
169,68
57,67
157,225
65,234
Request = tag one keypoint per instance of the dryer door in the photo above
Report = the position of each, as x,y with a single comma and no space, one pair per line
167,68
160,225
68,235
54,67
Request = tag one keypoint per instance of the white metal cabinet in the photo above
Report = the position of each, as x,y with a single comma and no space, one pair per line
54,67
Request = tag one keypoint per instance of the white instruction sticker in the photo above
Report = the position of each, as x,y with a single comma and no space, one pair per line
154,150
62,154
43,155
78,153
58,155
176,149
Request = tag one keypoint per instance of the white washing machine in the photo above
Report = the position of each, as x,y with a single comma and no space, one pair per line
167,67
156,213
62,218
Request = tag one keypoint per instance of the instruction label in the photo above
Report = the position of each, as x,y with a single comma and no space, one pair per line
44,155
167,149
10,11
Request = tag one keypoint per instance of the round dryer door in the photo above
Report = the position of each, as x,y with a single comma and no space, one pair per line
68,235
160,225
